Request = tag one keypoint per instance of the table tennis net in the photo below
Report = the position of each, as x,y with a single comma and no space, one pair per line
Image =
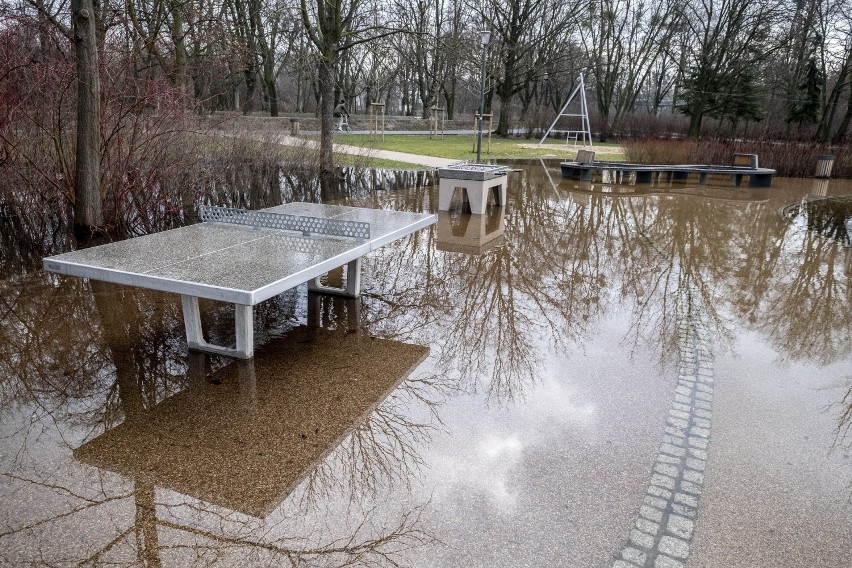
284,221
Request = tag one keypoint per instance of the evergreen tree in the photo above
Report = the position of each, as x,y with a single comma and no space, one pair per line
804,108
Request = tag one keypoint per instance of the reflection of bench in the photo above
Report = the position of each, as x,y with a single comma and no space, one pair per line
585,157
745,161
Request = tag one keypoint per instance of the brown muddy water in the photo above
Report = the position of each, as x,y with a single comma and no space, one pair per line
502,394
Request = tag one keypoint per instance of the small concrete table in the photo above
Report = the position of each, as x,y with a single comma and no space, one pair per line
244,257
477,182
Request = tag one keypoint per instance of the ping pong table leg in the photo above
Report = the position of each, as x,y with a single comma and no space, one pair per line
353,282
244,324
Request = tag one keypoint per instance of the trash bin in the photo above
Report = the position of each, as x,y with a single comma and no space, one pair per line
294,126
824,164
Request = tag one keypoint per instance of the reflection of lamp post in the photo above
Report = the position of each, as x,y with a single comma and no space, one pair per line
484,35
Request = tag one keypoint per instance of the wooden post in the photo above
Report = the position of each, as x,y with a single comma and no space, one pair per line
374,122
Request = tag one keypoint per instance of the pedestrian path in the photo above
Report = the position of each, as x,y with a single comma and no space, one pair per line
429,161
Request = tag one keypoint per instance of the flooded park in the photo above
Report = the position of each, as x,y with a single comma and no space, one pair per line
594,375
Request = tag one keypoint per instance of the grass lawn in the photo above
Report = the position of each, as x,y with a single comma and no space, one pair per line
460,147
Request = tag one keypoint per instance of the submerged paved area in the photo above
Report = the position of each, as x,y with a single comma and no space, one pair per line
656,380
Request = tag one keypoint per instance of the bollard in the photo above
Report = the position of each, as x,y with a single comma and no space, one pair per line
294,127
824,164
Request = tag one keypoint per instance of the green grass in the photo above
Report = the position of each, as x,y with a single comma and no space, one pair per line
460,147
342,159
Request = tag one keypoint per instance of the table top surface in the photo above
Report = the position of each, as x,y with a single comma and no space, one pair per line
235,263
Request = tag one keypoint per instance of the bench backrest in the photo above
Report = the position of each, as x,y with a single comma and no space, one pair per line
585,157
745,161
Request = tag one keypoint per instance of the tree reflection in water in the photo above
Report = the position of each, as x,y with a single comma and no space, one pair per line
77,359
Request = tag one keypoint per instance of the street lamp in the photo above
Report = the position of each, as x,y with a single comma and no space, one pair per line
484,36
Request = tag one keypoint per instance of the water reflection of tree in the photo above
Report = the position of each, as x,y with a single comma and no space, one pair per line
123,356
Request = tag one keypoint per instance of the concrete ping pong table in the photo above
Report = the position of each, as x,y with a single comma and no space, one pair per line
244,257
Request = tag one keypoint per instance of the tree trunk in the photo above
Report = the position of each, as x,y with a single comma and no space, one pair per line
88,213
840,134
326,86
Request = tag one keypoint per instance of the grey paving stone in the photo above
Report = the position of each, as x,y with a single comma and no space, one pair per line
701,422
674,547
622,564
703,404
634,555
684,407
666,469
701,413
655,491
682,414
698,453
666,562
683,390
689,487
662,481
686,499
641,539
704,388
700,443
702,432
695,464
693,476
655,502
678,422
683,399
651,513
675,431
704,396
684,511
680,526
673,440
647,526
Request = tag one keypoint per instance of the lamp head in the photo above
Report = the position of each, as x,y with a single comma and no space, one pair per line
484,35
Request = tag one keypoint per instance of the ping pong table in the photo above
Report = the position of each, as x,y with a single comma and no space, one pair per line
244,257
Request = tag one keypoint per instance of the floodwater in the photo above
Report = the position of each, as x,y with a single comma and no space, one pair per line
496,397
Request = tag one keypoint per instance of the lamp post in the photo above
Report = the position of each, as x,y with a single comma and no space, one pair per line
484,36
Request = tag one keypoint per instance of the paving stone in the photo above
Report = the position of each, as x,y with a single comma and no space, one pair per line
698,453
689,487
685,499
666,469
701,422
634,555
683,399
693,463
662,481
655,491
693,476
656,502
667,459
700,443
683,390
641,539
651,513
647,526
674,547
684,407
703,404
680,526
673,440
666,562
622,564
704,396
701,413
702,432
684,511
682,414
704,388
678,422
706,379
675,431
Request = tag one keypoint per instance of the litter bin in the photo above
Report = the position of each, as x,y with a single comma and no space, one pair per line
294,126
824,164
